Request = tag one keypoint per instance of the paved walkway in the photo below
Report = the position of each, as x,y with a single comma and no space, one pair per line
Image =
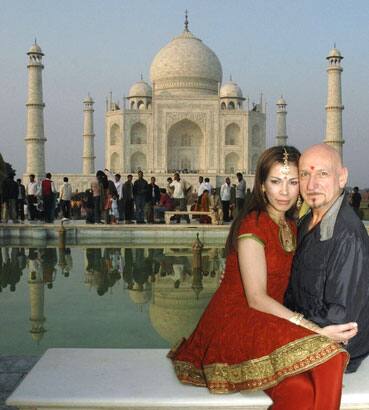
12,371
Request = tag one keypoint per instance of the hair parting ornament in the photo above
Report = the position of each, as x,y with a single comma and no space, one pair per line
285,170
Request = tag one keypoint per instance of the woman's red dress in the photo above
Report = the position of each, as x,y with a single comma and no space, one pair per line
235,347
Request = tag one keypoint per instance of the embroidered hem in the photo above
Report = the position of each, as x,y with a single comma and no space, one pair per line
261,373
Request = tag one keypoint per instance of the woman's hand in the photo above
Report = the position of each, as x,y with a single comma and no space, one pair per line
340,333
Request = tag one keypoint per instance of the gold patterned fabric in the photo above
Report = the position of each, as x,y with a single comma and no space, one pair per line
262,373
251,236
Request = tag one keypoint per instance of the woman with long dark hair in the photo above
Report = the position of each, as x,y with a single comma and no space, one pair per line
246,339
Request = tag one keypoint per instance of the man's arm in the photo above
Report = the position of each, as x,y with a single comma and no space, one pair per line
347,285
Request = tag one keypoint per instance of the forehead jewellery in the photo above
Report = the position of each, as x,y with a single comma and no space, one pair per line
285,169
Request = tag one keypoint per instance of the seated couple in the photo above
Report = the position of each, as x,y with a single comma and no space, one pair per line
292,311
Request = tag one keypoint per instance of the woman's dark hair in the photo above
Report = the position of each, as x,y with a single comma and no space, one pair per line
257,201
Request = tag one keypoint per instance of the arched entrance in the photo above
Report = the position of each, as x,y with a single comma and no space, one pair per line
138,133
138,162
185,147
114,162
231,163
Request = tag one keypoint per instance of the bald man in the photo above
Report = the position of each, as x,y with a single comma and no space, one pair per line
330,274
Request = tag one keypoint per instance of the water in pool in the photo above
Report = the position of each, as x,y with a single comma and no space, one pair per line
126,297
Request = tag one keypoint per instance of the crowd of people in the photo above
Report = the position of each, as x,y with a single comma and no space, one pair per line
111,200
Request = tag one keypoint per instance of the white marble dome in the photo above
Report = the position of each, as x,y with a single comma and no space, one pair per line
231,90
186,65
281,101
140,89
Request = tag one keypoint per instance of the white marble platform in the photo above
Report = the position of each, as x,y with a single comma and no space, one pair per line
138,378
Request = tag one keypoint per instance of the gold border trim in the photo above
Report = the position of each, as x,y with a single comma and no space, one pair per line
262,373
251,236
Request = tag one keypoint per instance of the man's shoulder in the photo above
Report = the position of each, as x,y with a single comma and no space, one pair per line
348,223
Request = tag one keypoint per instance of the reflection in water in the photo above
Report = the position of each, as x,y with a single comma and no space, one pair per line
103,269
175,284
12,262
36,284
65,261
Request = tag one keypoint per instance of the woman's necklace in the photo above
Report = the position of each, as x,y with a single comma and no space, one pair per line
285,234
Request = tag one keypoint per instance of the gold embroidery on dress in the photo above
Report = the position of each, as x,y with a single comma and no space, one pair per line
262,373
252,236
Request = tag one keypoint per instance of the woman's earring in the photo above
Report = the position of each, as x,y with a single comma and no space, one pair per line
299,202
265,197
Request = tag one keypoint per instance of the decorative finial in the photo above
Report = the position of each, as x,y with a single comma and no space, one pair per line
35,40
334,45
230,77
141,76
186,20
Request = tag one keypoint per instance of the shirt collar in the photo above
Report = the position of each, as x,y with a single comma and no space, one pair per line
329,219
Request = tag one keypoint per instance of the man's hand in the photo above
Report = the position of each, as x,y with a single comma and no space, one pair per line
340,333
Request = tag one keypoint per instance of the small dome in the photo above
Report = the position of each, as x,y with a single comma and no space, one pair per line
334,53
35,49
88,99
140,89
281,101
230,90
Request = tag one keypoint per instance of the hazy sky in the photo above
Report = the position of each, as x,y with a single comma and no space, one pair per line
277,47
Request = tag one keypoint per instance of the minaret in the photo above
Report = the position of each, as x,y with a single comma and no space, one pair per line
88,158
36,295
281,137
35,139
334,107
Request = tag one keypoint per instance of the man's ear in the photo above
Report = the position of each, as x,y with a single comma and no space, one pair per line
343,177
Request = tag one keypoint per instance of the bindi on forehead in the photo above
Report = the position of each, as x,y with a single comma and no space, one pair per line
312,167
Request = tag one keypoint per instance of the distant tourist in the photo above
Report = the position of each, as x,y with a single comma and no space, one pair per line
111,195
215,205
32,190
200,189
181,188
48,192
207,185
65,197
169,187
355,200
205,206
98,196
225,197
140,188
166,204
10,195
248,196
87,206
240,191
119,187
128,201
153,199
21,200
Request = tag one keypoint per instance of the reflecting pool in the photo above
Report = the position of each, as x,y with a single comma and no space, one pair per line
114,297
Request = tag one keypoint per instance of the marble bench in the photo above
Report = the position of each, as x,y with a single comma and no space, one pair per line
82,379
212,215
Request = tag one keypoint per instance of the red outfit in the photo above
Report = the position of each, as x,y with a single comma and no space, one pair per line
235,347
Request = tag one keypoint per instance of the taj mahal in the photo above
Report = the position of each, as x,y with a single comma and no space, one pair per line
186,119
